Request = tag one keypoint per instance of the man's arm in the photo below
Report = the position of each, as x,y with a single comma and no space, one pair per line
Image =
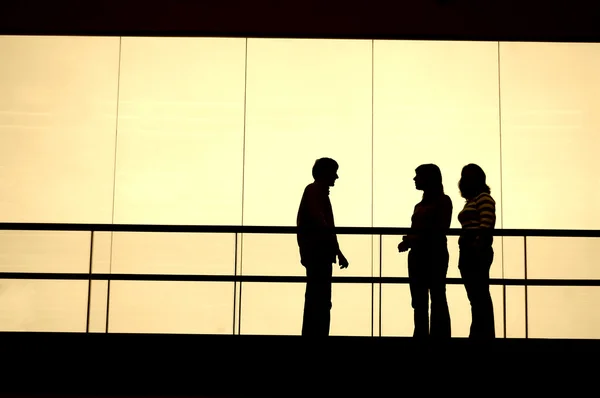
314,207
342,259
315,222
343,262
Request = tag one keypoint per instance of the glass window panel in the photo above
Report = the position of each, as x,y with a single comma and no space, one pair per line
397,312
563,258
101,254
98,304
57,128
307,99
171,307
453,271
173,253
181,124
513,251
377,316
269,254
45,251
277,309
358,252
351,313
515,311
460,310
237,293
550,95
434,102
395,264
28,305
563,312
497,268
272,308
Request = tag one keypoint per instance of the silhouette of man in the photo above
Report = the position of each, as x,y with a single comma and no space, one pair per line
319,247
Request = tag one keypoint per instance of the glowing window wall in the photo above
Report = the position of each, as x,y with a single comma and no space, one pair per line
225,131
181,123
58,112
550,102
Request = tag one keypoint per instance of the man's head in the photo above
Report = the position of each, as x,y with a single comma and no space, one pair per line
325,171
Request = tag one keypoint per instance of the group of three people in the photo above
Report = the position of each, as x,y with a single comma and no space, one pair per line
428,256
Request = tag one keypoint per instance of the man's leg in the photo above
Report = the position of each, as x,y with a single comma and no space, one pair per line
317,299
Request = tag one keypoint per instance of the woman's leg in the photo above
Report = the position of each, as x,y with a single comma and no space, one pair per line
475,271
419,294
440,315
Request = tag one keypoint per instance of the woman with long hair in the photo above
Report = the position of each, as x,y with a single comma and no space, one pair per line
428,256
478,219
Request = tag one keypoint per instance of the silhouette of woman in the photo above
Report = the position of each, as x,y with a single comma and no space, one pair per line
478,218
428,256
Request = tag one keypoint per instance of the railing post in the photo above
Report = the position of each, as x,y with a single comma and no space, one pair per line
107,320
235,262
240,261
380,276
372,287
89,299
526,289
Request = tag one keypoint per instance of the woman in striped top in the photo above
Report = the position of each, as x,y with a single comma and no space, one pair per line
478,219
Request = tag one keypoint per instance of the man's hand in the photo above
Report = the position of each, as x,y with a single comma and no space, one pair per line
343,261
402,247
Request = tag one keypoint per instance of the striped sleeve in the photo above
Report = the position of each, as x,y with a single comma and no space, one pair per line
486,207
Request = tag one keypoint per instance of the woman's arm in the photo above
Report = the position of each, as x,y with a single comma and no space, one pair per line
409,240
443,216
486,208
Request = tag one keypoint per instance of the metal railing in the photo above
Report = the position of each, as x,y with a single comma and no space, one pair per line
239,230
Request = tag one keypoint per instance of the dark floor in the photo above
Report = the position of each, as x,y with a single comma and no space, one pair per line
105,365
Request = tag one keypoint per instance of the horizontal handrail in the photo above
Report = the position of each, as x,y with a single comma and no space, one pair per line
277,279
575,233
236,279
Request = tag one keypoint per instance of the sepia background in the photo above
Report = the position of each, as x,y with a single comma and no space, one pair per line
224,131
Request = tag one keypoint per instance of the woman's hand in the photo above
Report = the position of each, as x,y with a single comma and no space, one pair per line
402,247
